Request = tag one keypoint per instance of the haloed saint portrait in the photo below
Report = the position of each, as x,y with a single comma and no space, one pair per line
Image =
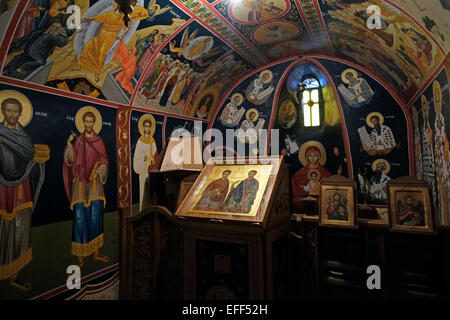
233,190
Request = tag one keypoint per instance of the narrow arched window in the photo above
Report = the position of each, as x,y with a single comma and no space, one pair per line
310,98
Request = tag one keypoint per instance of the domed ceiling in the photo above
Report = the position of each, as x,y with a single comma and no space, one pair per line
194,47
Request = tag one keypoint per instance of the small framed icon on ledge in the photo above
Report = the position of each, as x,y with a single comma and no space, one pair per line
337,202
410,205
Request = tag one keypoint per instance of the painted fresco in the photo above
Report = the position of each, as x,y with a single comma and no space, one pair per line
378,135
403,46
247,110
312,153
257,11
431,114
47,52
146,143
377,141
44,141
171,77
265,32
433,16
213,84
214,21
314,21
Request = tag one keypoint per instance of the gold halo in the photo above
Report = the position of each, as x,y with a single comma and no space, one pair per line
27,108
305,146
437,87
141,123
241,98
376,162
266,72
311,171
352,71
79,119
248,113
424,101
370,115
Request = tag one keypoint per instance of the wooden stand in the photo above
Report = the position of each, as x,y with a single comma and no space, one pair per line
229,260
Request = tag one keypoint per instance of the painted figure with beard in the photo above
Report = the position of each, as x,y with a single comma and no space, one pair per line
381,140
379,180
36,49
85,171
241,198
214,195
21,179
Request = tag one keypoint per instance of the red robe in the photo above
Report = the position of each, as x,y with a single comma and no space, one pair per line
128,64
299,181
89,154
214,194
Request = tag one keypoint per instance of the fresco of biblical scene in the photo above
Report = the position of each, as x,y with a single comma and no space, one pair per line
374,59
289,48
63,215
355,90
277,31
310,156
433,20
257,11
146,143
408,47
213,84
432,113
106,56
171,77
236,190
380,140
22,175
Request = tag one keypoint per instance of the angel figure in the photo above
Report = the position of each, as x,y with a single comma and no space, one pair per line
154,10
186,39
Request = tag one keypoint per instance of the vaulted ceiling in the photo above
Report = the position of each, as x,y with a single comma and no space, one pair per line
217,42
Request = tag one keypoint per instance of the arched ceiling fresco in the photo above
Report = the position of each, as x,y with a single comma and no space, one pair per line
181,56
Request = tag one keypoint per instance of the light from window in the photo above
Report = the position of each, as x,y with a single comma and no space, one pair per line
311,110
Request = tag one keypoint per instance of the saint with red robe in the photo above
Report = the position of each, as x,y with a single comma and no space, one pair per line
214,195
85,171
